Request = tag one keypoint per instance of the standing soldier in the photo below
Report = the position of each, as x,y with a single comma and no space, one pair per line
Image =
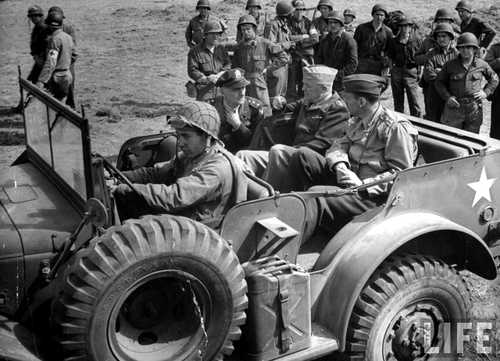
440,54
239,113
206,62
55,74
470,24
194,31
460,86
405,71
254,8
279,32
321,22
493,59
349,17
373,38
257,56
338,50
38,42
304,35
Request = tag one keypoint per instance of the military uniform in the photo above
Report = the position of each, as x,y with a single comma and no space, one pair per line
321,25
250,113
482,30
437,57
350,28
373,149
256,57
56,74
201,63
259,30
194,31
279,32
457,81
493,59
38,49
372,48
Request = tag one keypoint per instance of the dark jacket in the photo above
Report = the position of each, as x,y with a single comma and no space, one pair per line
404,55
482,30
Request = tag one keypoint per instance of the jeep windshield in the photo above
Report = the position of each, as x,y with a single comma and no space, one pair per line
57,141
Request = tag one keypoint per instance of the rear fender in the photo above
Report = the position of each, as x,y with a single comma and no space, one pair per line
347,268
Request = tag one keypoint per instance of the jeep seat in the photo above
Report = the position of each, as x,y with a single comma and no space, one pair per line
433,149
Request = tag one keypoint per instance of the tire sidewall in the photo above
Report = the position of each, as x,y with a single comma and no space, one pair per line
217,322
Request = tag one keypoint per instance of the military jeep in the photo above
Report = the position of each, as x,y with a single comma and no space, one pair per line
85,286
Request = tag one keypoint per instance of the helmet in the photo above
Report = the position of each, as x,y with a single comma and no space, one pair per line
199,115
335,15
464,5
255,3
247,19
203,4
403,20
444,14
467,39
212,27
35,10
349,12
379,7
284,8
325,3
444,28
54,19
299,5
56,9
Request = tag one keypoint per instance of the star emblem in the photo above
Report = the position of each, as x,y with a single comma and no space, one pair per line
482,187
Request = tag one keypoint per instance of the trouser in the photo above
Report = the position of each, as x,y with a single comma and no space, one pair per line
277,81
295,78
404,80
468,116
70,100
495,115
435,104
258,89
425,91
60,83
330,213
369,66
35,73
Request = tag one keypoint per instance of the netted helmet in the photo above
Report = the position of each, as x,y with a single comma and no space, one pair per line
444,14
284,8
247,19
444,28
255,3
200,115
467,39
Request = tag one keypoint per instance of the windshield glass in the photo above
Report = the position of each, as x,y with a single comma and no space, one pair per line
55,135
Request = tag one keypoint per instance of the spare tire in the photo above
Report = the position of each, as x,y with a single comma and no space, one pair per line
158,288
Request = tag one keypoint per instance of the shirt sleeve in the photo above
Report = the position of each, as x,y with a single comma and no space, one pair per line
442,81
351,63
488,34
193,66
53,50
339,151
493,57
430,70
159,173
189,35
492,79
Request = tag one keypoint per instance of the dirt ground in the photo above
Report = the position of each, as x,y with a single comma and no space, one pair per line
131,71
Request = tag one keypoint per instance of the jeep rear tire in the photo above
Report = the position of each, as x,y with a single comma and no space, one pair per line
407,297
158,288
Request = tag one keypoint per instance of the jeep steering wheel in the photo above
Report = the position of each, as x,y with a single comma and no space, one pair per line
118,174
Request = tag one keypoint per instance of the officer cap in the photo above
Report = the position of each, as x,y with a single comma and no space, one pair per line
35,10
203,4
443,28
365,84
57,10
255,3
284,8
319,74
327,3
233,78
464,5
349,12
379,7
196,114
444,14
54,20
299,5
467,39
213,26
247,19
404,21
335,16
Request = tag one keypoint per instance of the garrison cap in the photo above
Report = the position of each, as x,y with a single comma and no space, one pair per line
365,83
35,10
233,78
320,74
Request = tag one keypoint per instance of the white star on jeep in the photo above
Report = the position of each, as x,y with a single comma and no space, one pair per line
482,187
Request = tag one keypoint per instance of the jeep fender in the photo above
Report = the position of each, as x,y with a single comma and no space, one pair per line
346,272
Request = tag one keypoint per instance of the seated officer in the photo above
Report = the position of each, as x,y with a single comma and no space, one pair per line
202,182
378,142
239,114
317,120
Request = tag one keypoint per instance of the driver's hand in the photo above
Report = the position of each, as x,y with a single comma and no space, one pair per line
107,175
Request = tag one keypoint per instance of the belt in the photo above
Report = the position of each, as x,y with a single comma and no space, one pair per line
466,100
60,70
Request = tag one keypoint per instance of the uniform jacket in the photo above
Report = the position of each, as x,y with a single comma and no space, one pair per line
482,30
455,80
194,30
251,113
202,62
321,25
203,188
38,43
437,57
304,48
279,32
493,57
339,52
372,44
387,143
404,55
60,50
